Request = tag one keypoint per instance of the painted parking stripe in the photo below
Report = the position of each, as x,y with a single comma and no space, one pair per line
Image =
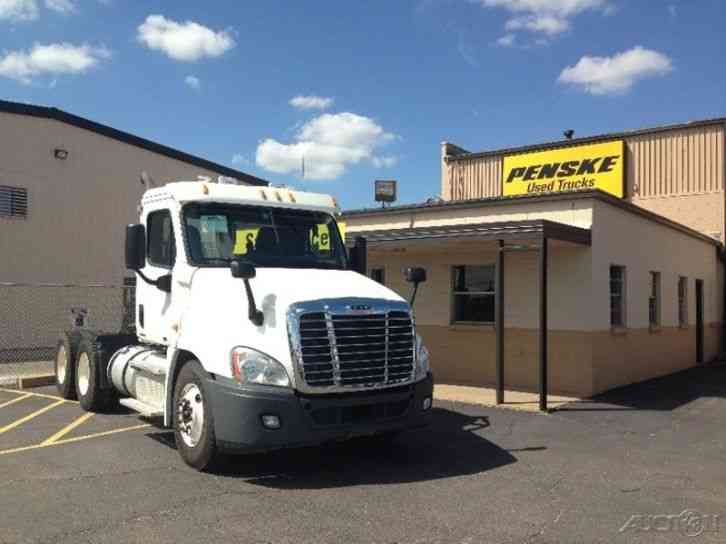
16,399
68,428
35,414
40,395
74,439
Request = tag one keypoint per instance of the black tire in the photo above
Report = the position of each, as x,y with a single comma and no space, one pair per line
88,371
65,364
201,454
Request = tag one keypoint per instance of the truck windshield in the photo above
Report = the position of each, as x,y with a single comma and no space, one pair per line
264,236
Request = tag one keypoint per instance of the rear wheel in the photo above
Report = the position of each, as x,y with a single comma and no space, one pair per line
193,419
65,361
90,394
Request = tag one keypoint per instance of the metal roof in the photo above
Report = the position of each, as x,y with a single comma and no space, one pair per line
502,230
55,114
555,144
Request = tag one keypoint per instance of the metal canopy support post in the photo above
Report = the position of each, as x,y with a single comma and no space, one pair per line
543,326
499,321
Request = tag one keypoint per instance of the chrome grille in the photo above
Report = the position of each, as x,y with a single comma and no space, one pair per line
353,349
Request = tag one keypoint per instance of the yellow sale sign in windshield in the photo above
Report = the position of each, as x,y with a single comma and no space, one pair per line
582,167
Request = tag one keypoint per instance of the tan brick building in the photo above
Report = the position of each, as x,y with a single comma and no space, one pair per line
634,276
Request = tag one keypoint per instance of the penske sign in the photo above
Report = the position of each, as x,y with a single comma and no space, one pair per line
596,166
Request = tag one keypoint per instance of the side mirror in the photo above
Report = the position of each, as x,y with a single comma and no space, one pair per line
135,247
415,275
242,269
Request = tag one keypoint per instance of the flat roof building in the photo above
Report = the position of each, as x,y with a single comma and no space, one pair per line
68,188
573,266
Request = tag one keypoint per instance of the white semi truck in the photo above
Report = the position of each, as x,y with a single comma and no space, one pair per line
255,328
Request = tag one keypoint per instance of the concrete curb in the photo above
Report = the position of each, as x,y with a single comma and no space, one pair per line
27,382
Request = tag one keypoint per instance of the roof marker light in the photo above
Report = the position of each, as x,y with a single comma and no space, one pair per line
264,194
205,189
292,197
278,196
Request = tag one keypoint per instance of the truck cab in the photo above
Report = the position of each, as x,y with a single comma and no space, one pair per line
253,332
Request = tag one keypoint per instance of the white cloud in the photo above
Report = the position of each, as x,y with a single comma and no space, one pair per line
385,161
194,82
18,10
550,17
616,74
311,102
61,6
507,40
54,58
187,42
546,24
329,143
238,159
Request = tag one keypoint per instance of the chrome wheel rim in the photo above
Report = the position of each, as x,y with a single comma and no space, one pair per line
60,365
84,373
190,414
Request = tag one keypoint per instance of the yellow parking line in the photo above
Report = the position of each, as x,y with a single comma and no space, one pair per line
74,439
68,428
22,420
41,395
16,399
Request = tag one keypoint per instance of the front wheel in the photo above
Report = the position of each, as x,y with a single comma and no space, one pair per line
193,418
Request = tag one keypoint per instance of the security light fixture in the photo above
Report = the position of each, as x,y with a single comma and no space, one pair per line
60,153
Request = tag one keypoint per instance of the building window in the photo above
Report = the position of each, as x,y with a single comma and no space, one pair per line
654,300
13,201
617,296
379,275
161,247
473,293
682,301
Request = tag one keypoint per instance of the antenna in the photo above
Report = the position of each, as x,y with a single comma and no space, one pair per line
147,181
303,167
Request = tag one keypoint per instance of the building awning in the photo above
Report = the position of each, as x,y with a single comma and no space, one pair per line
536,229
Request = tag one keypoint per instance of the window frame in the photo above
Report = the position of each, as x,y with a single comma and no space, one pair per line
655,299
455,293
682,301
623,296
173,256
382,270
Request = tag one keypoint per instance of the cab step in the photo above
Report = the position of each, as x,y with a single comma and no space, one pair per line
146,410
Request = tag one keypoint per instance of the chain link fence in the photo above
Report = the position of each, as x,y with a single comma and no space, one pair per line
33,315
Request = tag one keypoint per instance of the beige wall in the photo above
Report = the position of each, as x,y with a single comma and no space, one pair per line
679,174
77,208
465,354
74,231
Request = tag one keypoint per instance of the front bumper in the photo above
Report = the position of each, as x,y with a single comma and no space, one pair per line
310,419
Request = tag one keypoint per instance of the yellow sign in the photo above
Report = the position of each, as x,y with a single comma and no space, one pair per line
245,240
595,166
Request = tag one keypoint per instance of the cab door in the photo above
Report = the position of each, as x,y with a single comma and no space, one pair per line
153,313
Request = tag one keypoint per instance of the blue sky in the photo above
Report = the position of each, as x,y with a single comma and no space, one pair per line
379,84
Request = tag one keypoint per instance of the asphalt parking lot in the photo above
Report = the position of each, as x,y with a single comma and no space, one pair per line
618,469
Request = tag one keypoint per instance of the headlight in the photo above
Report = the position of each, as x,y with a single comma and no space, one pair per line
252,367
422,358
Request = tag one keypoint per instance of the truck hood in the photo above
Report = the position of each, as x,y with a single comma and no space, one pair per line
216,315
